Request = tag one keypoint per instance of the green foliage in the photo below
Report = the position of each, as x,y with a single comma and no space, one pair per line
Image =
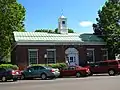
53,31
108,26
45,30
56,30
12,16
10,66
69,30
57,65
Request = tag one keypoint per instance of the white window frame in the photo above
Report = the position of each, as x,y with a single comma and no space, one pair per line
92,49
29,55
54,54
102,49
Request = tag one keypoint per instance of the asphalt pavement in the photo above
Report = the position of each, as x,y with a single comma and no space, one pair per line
98,82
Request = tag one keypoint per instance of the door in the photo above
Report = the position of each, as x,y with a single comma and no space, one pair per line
72,56
70,71
100,67
72,59
103,67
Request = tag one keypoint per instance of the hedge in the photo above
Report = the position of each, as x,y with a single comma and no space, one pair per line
6,66
57,65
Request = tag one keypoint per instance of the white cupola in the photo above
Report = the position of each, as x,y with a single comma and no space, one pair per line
62,25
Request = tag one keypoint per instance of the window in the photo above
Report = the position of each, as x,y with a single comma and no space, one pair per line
33,56
71,68
71,59
90,55
2,70
104,54
63,22
113,63
51,56
103,64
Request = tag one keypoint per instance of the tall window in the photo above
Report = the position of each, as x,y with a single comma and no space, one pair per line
51,56
33,56
90,55
104,54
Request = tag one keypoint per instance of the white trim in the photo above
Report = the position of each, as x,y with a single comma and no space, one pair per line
29,55
54,54
104,49
60,43
32,49
92,49
51,49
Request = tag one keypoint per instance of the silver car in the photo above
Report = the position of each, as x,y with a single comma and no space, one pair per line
42,72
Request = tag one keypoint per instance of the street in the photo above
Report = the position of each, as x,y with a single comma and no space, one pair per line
98,82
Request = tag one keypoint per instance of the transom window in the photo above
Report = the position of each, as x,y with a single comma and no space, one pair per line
51,56
104,54
33,56
90,55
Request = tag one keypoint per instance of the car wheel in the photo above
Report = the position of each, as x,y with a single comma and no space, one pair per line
78,74
111,72
23,77
4,79
43,76
91,74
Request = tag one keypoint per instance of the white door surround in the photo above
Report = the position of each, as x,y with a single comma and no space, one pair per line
72,56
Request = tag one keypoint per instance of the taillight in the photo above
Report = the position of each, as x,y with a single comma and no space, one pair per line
13,72
52,70
118,65
88,70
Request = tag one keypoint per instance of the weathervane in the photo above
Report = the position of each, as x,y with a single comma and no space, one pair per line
61,12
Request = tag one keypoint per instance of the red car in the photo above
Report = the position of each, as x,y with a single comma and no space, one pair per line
77,71
112,67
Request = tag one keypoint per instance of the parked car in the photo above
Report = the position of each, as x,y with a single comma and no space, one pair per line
42,72
77,71
8,74
112,67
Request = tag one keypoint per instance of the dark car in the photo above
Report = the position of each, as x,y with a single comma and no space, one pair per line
42,72
77,71
8,74
112,67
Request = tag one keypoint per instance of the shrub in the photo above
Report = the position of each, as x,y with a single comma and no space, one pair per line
57,65
9,66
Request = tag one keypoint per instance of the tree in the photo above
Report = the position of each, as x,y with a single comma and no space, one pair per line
108,26
69,30
44,30
12,15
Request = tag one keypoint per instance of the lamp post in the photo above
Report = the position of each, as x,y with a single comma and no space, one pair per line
45,57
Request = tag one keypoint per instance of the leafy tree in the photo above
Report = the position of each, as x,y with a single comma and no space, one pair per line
44,30
69,30
108,26
12,15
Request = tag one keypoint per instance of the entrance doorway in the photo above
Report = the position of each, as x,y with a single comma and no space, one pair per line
72,56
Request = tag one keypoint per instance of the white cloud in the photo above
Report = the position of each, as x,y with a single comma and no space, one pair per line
86,23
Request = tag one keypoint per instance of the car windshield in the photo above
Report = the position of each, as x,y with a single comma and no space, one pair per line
47,67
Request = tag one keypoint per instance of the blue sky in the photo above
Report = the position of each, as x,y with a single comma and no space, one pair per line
43,14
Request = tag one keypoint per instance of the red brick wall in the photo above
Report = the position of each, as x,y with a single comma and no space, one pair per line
20,53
